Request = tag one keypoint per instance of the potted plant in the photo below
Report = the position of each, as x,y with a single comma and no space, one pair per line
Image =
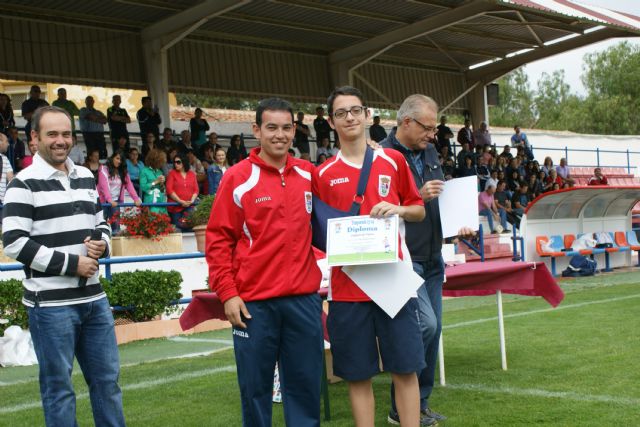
199,217
144,233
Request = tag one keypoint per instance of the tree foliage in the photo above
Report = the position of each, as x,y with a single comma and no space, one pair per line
612,81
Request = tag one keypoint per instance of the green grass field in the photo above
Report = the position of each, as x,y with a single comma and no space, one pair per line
577,365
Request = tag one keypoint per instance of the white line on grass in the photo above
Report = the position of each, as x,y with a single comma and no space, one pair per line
135,386
128,365
212,340
543,310
569,395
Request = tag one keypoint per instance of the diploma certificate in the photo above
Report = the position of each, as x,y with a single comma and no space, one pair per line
357,240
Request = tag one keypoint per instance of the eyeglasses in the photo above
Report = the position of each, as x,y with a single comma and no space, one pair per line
177,162
356,110
428,129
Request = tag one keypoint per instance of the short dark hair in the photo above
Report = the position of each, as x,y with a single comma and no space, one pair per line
37,116
145,99
185,161
344,91
272,104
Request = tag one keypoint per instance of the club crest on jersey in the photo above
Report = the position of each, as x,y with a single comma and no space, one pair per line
307,201
384,184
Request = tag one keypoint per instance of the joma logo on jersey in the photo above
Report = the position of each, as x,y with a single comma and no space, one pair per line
241,334
338,181
262,199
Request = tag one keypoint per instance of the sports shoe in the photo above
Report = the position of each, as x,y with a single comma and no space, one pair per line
425,420
431,414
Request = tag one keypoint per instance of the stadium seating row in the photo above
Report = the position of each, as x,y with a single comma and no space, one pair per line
563,246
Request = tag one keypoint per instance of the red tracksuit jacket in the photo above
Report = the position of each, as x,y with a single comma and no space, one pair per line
258,243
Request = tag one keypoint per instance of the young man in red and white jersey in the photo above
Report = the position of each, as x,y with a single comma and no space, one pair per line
263,269
357,326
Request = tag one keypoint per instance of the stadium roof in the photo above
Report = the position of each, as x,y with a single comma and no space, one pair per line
298,49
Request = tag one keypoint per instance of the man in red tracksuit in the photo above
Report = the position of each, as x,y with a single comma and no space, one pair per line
263,269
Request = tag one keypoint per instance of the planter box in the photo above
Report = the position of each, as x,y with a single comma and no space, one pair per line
129,246
162,328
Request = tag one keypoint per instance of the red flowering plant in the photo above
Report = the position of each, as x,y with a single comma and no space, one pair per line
143,224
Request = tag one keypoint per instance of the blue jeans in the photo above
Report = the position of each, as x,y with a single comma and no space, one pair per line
489,214
430,309
85,331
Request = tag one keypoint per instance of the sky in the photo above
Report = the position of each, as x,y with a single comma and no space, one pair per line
571,62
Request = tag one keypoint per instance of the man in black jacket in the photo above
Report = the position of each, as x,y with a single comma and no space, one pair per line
413,138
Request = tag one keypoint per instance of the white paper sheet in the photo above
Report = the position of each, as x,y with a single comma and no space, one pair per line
389,285
458,205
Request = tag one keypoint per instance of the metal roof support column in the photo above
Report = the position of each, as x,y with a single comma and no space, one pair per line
478,105
159,37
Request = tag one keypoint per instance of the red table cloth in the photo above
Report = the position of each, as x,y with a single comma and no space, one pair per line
470,279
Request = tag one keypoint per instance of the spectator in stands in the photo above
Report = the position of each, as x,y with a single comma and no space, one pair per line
15,153
465,135
555,186
520,200
301,140
92,124
321,159
542,179
168,166
488,208
501,164
207,155
92,162
6,172
444,135
493,164
198,128
547,166
182,188
118,119
503,201
481,136
321,126
519,139
33,149
149,118
468,168
464,153
335,149
477,154
448,169
506,153
216,170
530,170
598,178
212,143
513,166
236,151
134,167
483,173
563,172
535,186
445,153
492,180
29,106
76,154
148,143
486,155
513,181
552,179
121,144
113,181
323,149
376,131
198,168
166,143
67,105
185,143
6,113
152,180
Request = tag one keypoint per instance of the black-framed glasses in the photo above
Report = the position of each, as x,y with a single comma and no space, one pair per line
356,110
428,129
